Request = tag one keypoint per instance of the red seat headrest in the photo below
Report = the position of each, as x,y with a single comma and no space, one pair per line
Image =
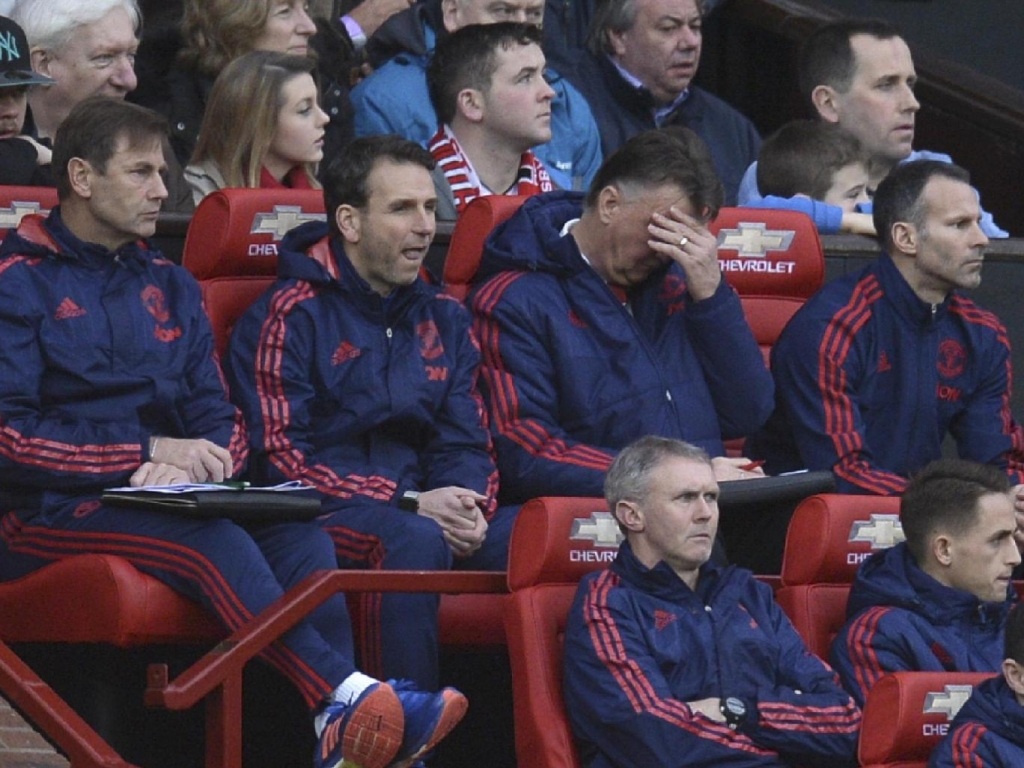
466,246
769,253
18,202
237,231
907,713
559,539
830,535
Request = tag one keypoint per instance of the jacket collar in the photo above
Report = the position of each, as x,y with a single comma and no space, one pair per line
907,303
50,238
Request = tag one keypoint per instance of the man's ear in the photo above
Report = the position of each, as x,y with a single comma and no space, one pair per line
826,103
449,10
80,176
470,104
629,516
349,223
609,200
1013,674
617,42
41,60
942,550
905,237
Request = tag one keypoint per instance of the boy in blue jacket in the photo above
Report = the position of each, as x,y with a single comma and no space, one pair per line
988,732
938,601
818,169
670,661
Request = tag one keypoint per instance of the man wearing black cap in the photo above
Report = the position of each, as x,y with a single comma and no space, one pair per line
23,160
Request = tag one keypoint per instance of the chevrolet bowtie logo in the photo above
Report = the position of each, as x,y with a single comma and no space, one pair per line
947,702
283,219
601,528
11,217
881,531
754,239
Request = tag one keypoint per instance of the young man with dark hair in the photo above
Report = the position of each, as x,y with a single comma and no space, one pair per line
939,600
358,378
879,366
859,74
605,317
394,98
988,731
670,660
487,86
818,169
108,377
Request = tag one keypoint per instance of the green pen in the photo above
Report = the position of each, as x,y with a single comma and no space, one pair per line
235,485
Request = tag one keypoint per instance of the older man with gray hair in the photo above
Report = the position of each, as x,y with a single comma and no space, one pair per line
637,74
667,655
88,49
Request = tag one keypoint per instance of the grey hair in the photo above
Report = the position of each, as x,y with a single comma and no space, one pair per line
628,475
615,16
50,24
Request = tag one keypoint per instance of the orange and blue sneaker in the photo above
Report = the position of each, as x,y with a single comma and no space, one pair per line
364,734
429,717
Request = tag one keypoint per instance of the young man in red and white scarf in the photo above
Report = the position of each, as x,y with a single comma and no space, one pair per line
487,85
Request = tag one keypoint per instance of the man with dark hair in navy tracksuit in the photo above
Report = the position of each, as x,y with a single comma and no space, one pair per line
988,731
670,661
879,366
108,377
358,378
938,601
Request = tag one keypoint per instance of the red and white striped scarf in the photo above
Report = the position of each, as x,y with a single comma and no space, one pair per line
466,185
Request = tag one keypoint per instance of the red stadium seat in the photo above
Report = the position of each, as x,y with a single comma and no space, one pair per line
774,260
236,232
828,537
907,713
18,202
231,246
554,543
467,242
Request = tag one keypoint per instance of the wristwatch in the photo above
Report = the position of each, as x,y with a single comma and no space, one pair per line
735,711
409,501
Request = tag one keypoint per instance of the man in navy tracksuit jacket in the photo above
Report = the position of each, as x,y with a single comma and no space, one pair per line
592,336
360,379
988,732
938,601
672,662
108,377
879,366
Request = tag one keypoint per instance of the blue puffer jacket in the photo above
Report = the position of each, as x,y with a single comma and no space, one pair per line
870,379
640,644
571,376
988,732
901,619
100,351
394,99
362,397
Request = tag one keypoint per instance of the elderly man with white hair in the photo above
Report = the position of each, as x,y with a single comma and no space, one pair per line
88,48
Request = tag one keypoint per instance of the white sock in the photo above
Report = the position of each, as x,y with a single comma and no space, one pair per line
352,686
349,690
